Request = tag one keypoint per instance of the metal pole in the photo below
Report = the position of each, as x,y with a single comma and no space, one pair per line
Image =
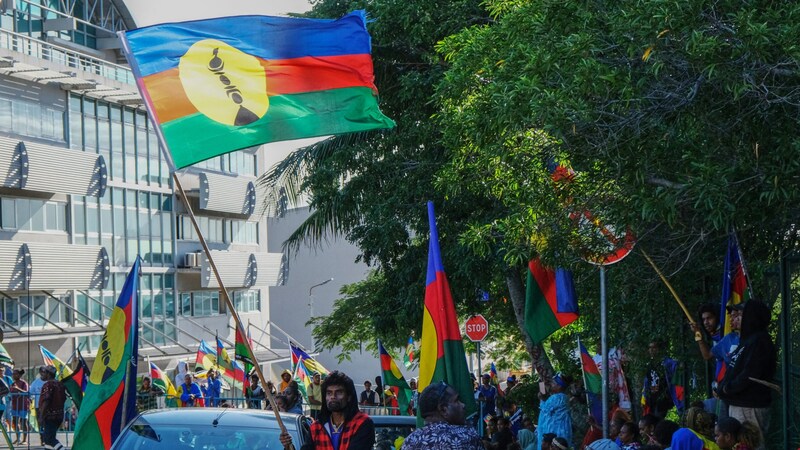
480,369
604,347
786,342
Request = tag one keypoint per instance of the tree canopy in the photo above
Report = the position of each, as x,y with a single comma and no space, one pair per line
679,119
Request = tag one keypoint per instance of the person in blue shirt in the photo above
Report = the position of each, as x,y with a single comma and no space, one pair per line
191,394
487,395
721,352
554,414
212,391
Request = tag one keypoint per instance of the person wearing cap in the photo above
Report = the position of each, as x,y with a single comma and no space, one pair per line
445,425
412,404
286,378
487,396
510,383
554,411
315,395
51,408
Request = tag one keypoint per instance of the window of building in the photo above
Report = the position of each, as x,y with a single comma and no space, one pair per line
247,301
200,303
33,215
36,311
31,119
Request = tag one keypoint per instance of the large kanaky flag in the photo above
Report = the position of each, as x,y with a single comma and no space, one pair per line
109,402
550,301
442,356
219,85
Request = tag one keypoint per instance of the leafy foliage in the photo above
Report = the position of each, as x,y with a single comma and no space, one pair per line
679,119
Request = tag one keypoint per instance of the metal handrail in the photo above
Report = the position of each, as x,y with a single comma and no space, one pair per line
27,45
143,324
62,14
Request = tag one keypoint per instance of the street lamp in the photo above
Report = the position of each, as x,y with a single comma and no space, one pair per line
311,297
311,304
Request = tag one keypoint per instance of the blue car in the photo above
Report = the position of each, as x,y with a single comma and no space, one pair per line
210,429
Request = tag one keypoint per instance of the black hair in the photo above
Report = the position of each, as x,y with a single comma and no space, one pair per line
664,431
20,371
432,397
729,425
633,428
548,437
337,378
708,308
650,420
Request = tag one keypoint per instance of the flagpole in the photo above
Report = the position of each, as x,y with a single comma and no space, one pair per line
583,375
744,266
604,348
182,194
669,286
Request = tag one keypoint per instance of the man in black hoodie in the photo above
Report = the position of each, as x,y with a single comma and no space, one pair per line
754,359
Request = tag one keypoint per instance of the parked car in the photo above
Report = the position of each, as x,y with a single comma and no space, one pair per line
389,428
210,429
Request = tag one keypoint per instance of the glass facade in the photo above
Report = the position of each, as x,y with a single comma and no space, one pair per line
135,216
218,230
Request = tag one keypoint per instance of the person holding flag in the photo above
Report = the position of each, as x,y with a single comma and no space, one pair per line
212,389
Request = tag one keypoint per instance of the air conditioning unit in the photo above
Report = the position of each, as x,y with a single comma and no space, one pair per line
191,260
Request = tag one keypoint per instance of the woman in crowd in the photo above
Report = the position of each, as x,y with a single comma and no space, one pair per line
20,405
629,436
554,414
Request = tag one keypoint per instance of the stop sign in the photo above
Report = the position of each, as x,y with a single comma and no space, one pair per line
477,327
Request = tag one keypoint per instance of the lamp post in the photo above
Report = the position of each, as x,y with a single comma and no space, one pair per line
311,304
311,297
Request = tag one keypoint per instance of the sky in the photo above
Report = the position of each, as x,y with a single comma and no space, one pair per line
149,12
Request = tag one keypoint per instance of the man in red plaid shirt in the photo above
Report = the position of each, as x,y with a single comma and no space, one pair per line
339,425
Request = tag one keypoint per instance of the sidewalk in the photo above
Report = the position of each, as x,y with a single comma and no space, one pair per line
35,441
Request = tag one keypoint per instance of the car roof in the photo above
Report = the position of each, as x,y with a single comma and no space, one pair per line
226,417
382,420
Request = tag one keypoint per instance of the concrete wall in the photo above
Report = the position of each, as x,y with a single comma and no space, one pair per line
290,306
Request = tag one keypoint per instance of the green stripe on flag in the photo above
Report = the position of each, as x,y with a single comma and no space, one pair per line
195,138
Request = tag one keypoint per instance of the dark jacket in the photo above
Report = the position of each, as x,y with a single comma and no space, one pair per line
756,357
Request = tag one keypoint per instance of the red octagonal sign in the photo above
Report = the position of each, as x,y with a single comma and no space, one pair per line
477,328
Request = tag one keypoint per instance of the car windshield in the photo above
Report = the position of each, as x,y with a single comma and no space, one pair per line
146,436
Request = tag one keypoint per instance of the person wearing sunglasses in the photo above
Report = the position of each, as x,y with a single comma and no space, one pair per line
445,426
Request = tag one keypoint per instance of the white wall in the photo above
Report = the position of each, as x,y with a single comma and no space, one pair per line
289,304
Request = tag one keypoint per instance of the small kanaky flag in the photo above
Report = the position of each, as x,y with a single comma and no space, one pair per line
550,301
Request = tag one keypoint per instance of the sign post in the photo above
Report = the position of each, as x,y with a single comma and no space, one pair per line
476,329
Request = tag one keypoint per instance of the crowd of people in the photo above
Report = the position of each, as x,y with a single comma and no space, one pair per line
48,397
735,417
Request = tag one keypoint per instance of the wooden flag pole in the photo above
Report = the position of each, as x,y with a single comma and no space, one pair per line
226,298
669,286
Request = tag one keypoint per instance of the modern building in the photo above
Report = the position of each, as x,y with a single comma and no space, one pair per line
84,189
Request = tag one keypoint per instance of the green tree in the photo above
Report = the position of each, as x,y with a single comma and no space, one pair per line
679,120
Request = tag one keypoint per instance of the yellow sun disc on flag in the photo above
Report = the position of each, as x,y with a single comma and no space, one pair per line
224,83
